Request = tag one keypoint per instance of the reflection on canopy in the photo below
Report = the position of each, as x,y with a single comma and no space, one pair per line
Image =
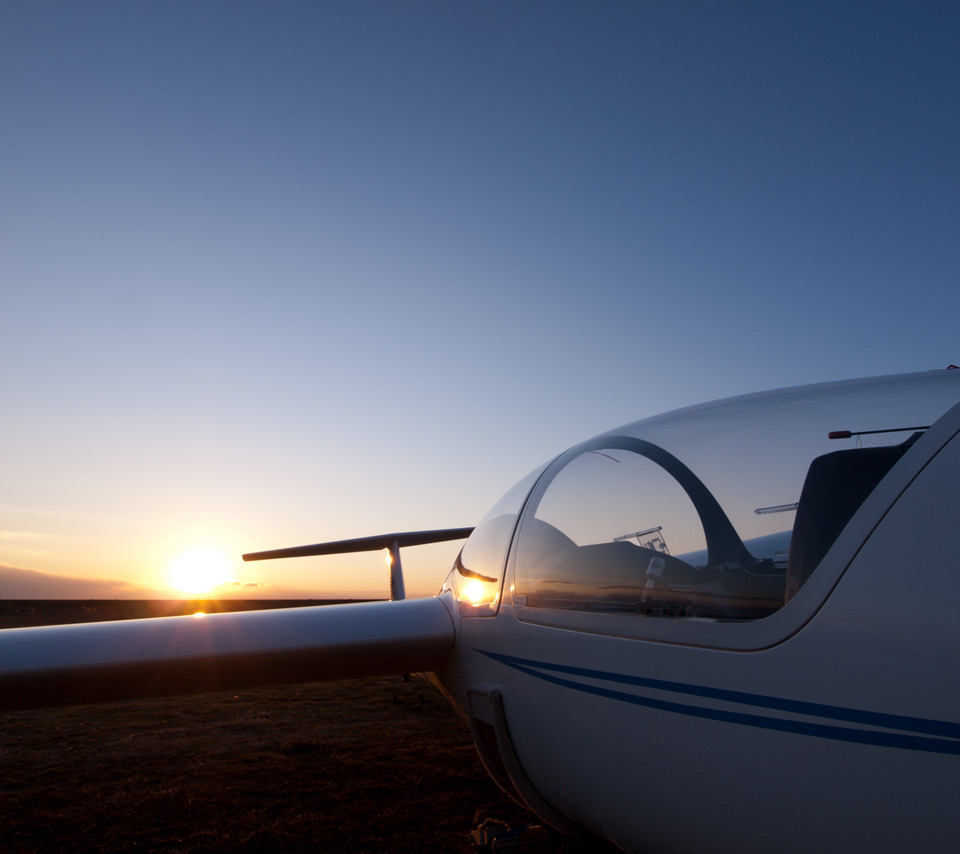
717,512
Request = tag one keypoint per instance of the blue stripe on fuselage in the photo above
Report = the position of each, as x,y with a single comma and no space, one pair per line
915,733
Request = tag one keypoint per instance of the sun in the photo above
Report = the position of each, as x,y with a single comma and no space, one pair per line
199,571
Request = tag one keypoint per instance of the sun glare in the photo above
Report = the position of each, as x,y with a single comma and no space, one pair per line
199,571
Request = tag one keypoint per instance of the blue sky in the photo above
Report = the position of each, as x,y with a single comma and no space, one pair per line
280,273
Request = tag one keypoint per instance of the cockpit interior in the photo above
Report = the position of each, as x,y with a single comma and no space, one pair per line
680,556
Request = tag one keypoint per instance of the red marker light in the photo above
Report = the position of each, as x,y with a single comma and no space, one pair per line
839,434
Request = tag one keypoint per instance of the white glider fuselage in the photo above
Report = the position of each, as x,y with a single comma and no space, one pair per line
831,724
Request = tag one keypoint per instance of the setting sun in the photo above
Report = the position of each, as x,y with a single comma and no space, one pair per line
199,571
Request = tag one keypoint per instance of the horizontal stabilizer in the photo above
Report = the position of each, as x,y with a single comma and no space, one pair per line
132,659
366,544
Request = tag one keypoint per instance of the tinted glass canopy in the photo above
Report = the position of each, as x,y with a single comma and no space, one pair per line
720,511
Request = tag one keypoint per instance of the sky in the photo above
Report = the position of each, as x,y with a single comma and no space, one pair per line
280,273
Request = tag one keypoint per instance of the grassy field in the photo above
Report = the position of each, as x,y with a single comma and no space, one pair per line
368,765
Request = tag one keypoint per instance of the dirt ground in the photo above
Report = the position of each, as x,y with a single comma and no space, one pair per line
374,765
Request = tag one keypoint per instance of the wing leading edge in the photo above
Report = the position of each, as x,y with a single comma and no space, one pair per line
132,659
